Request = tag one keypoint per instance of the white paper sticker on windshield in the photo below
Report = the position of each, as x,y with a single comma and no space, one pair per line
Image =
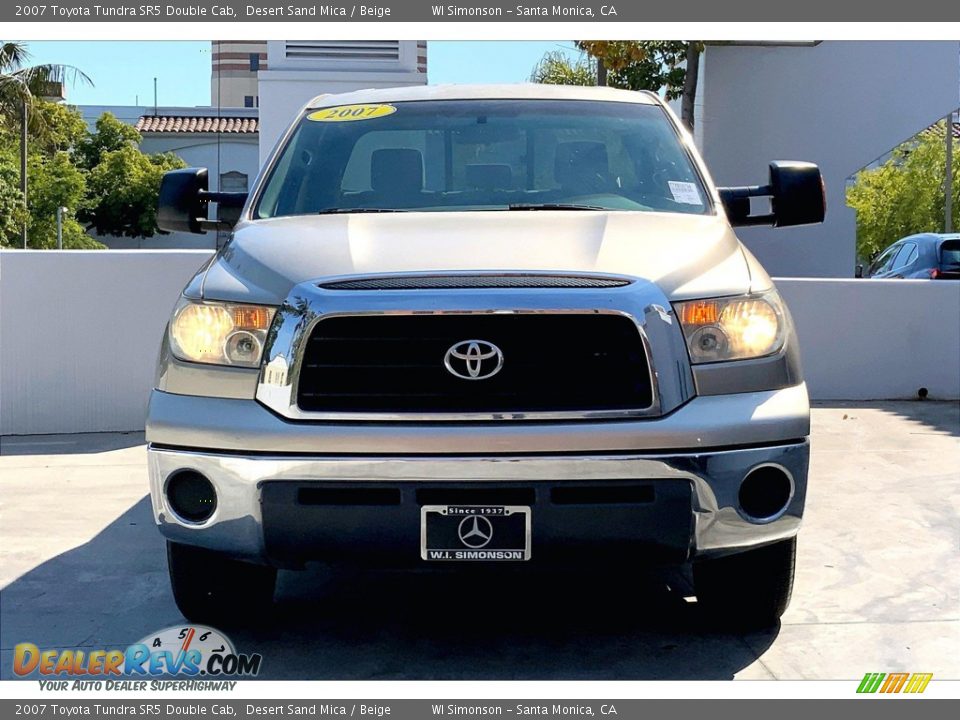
685,192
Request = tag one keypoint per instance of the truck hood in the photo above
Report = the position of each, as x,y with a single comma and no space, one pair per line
687,256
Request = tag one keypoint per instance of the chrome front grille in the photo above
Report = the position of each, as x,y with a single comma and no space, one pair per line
551,363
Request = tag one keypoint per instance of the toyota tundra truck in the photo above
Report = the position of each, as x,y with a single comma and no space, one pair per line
467,327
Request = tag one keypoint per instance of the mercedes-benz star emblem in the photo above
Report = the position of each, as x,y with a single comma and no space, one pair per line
475,531
473,360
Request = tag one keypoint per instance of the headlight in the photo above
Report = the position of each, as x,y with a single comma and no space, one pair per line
734,328
219,333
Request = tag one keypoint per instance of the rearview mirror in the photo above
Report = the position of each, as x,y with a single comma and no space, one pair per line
184,199
796,192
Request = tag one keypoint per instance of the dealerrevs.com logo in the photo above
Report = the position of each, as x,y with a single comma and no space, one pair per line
898,682
181,650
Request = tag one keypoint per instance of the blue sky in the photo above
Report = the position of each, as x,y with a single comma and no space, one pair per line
123,72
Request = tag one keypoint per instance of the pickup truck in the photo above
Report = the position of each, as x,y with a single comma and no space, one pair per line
469,327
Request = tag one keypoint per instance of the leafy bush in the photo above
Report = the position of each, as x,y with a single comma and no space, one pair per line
905,194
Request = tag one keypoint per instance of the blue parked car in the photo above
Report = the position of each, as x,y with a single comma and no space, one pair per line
934,256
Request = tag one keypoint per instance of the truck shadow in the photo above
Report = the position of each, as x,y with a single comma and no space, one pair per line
70,444
929,416
362,625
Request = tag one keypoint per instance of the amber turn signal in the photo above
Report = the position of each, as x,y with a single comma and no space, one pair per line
252,317
703,312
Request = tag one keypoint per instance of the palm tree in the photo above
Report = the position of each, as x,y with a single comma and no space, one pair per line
21,82
21,85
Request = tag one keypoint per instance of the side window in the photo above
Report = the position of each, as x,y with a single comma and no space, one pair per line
914,254
883,262
907,254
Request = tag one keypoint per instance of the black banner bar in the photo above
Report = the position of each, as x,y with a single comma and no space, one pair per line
480,11
892,709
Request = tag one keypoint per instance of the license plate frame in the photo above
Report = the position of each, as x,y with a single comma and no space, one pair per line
478,541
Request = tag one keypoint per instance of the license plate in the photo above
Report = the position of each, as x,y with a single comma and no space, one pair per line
475,532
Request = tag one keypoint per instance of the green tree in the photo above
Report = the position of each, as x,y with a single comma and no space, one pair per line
110,135
102,177
22,89
904,195
557,68
669,65
13,213
22,83
56,182
123,189
58,127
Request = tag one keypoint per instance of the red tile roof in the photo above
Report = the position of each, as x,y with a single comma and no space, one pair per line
956,129
195,124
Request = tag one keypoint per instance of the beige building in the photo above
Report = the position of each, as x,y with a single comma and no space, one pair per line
233,77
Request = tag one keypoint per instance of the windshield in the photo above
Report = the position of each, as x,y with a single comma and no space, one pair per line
453,155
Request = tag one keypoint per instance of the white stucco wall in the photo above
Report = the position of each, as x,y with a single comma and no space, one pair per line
80,331
876,339
79,335
229,152
838,104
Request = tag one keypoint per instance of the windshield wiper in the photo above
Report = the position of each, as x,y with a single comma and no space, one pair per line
553,206
347,210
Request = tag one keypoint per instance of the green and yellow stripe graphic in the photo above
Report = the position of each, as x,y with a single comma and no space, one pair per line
894,682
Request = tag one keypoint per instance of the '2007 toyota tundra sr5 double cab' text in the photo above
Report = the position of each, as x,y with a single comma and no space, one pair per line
471,325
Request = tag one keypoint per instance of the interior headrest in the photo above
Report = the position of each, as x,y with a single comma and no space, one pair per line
396,169
580,161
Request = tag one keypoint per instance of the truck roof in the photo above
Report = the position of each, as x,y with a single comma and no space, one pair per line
510,91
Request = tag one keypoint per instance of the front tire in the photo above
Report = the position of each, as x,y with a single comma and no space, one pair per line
751,589
212,588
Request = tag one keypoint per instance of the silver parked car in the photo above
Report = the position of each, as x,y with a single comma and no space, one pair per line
474,325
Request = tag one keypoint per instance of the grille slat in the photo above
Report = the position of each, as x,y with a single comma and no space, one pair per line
551,363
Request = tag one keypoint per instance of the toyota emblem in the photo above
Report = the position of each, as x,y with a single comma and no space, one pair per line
473,360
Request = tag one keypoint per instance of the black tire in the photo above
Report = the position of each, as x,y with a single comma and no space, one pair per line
212,588
749,590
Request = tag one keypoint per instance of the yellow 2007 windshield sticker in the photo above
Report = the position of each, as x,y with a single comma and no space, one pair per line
349,113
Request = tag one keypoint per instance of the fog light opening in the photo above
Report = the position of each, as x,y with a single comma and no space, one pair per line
191,496
765,493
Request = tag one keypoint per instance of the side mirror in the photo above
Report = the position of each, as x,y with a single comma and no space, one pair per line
796,192
184,199
180,208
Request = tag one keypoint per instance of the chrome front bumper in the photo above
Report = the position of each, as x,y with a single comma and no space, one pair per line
709,444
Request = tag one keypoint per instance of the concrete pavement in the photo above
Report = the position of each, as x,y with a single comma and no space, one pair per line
878,578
